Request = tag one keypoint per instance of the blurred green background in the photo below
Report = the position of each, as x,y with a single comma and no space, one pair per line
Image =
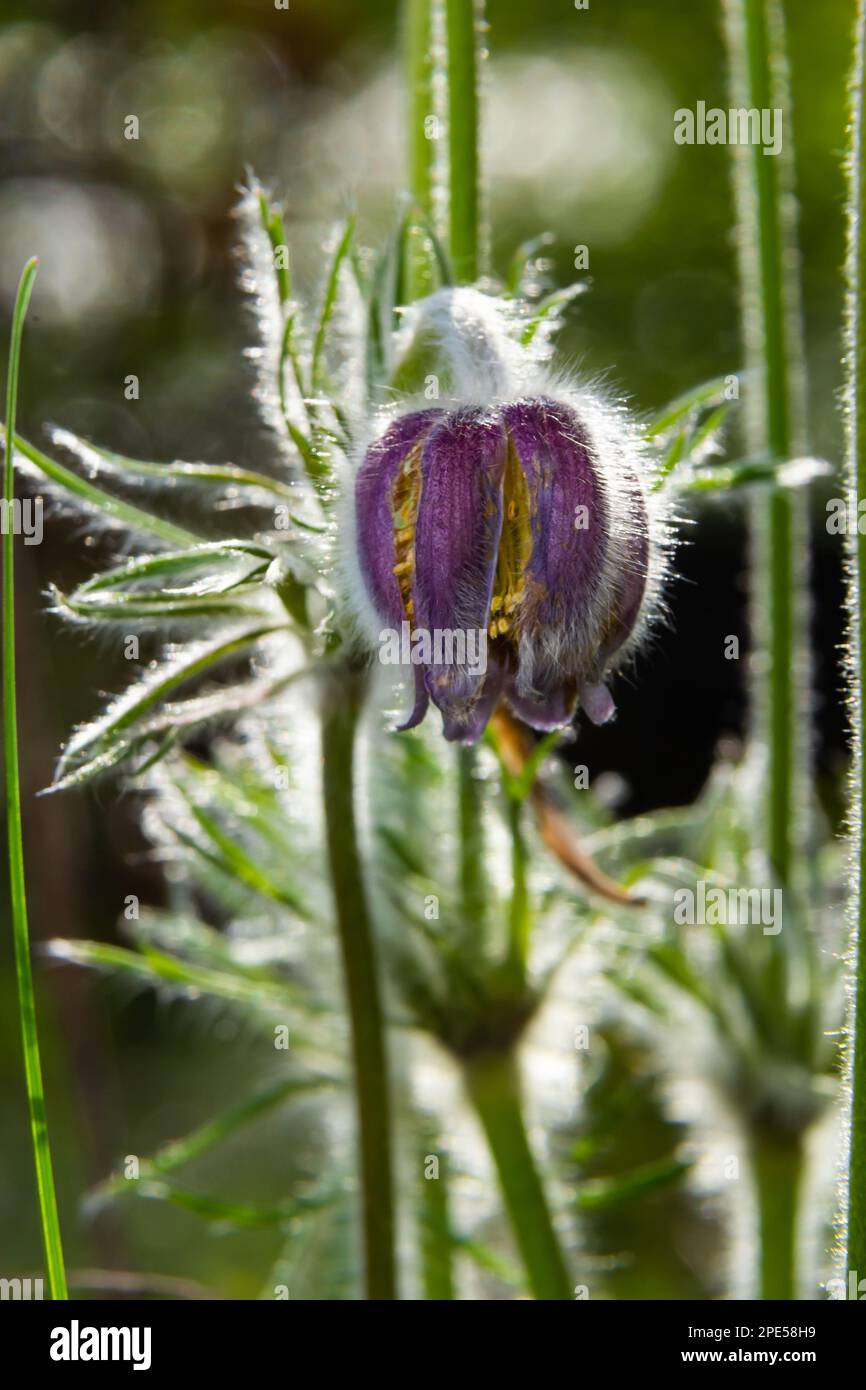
139,276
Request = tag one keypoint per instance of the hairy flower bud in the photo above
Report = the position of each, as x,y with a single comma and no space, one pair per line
526,518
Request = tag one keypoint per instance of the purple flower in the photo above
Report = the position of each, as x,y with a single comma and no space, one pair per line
521,521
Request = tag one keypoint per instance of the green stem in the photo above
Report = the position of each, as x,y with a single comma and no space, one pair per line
461,41
472,884
856,489
419,61
777,1164
18,888
437,1240
342,699
492,1079
463,226
494,1089
422,146
519,916
771,331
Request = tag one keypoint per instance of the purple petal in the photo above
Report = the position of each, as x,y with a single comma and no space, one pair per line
457,538
552,709
566,565
374,515
597,703
421,705
466,724
631,583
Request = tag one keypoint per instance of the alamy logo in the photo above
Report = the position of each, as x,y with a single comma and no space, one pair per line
737,126
727,907
444,646
77,1343
22,1289
23,517
855,1291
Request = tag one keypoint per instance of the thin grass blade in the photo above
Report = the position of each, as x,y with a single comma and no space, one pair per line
51,1238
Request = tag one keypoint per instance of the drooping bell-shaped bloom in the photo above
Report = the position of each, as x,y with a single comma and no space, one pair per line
521,523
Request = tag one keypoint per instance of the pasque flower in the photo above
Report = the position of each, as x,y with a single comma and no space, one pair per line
519,507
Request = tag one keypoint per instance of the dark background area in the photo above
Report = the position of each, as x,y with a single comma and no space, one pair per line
139,275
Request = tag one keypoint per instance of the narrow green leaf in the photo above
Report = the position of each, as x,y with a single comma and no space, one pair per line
234,861
709,393
244,1215
329,303
788,473
272,221
223,474
160,970
179,1152
161,608
601,1194
175,564
143,697
50,1222
855,484
525,254
675,453
490,1261
121,513
551,309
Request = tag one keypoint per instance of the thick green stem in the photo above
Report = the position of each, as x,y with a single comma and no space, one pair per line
464,199
494,1089
492,1080
772,336
342,699
423,133
18,887
422,113
437,1239
777,1164
856,490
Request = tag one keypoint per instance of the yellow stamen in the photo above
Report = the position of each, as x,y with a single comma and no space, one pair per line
405,495
515,547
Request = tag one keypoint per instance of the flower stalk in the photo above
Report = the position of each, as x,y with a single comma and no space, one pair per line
342,700
772,336
777,1165
779,603
473,889
519,908
464,173
493,1085
491,1077
437,1245
423,132
418,39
